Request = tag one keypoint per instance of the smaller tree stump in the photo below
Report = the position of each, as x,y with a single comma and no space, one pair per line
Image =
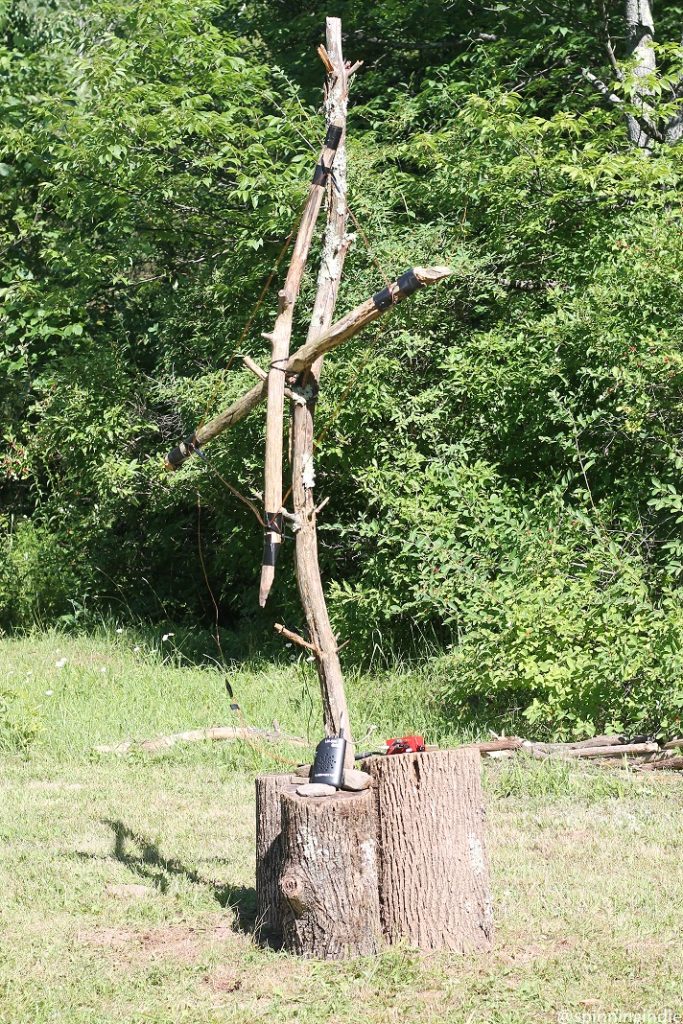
269,789
433,870
330,909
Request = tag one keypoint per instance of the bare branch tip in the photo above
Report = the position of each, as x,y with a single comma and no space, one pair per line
325,58
429,275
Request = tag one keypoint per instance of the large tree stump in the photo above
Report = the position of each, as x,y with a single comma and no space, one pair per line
433,870
330,909
269,852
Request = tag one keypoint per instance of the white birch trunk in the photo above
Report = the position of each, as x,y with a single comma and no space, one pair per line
640,32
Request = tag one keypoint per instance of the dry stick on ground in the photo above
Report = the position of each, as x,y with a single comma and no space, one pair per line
620,750
221,733
672,763
339,332
280,338
335,246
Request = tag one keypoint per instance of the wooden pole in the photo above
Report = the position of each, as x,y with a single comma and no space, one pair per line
280,338
335,247
339,332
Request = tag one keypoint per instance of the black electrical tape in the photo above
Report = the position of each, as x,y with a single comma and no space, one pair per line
270,551
183,451
333,137
274,521
176,458
383,299
408,283
320,174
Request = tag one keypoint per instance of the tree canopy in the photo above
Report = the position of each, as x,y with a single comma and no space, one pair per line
503,459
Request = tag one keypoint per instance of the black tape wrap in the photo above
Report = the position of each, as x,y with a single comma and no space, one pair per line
320,174
273,521
333,137
270,551
408,282
183,451
383,299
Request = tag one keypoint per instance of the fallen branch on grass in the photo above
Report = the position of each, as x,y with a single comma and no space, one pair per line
672,763
611,746
222,733
619,750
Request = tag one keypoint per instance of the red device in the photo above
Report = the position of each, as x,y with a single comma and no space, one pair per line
406,745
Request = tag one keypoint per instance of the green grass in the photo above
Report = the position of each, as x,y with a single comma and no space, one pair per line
127,882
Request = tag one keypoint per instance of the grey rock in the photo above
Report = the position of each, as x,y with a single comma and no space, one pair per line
315,789
356,780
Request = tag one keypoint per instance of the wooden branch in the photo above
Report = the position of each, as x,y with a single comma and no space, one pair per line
602,88
259,372
644,125
280,338
673,763
300,360
611,740
223,733
364,314
620,750
295,638
334,250
325,58
254,368
506,743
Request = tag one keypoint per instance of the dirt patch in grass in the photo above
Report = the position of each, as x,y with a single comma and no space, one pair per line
181,942
223,979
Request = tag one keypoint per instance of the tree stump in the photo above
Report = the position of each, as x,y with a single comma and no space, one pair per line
269,789
330,909
433,871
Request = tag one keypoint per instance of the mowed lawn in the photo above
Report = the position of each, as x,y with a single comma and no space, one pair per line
127,882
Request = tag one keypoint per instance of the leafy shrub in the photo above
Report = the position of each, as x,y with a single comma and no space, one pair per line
505,470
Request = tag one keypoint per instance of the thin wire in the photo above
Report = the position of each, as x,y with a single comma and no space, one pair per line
338,406
361,232
257,305
250,740
233,490
217,635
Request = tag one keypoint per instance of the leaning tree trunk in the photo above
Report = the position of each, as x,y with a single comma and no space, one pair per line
433,869
640,32
330,906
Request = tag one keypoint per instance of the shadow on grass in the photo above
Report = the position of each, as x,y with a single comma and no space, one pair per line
147,861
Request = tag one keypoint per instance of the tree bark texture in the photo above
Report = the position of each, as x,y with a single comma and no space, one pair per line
433,868
269,852
309,582
330,906
640,31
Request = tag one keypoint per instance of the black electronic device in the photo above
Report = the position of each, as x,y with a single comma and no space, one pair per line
328,765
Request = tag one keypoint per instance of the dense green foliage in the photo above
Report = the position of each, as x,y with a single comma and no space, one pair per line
506,470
